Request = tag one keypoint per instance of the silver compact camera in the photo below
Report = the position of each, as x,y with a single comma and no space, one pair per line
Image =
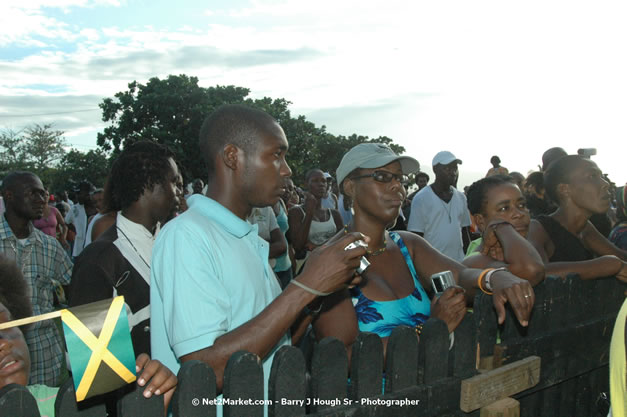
441,281
363,262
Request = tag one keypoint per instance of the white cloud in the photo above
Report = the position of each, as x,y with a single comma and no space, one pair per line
478,77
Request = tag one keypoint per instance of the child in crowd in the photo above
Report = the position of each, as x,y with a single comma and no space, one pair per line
15,357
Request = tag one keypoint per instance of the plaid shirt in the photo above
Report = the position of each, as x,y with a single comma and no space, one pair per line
41,259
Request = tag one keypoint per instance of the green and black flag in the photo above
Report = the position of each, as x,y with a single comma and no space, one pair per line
99,346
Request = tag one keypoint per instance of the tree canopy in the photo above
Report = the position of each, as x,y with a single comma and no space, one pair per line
41,150
171,112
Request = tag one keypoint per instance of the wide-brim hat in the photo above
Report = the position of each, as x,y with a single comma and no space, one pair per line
373,155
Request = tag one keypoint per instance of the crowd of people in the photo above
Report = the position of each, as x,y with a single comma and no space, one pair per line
249,261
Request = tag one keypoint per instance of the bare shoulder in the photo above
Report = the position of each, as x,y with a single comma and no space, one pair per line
537,233
415,243
102,224
295,211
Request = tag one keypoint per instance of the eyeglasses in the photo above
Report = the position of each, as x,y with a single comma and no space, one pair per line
385,177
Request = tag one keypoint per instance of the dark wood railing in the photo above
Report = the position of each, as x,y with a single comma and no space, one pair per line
569,332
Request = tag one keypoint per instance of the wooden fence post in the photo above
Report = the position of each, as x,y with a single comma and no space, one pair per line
197,384
329,374
287,387
366,367
463,356
15,400
486,327
243,381
133,403
65,405
401,361
433,351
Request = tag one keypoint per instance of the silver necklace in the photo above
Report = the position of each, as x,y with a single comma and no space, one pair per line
25,254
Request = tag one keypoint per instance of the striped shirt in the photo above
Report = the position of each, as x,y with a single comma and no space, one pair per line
42,260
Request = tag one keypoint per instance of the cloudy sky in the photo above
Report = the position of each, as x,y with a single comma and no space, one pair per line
474,77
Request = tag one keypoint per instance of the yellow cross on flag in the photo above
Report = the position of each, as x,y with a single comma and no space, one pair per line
99,346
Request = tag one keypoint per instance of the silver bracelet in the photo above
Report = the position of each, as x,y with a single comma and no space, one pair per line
488,276
310,290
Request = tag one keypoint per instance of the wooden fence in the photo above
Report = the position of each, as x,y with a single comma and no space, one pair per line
569,332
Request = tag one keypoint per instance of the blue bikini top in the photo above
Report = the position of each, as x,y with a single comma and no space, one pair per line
381,317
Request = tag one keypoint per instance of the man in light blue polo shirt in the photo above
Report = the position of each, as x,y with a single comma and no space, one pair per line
213,292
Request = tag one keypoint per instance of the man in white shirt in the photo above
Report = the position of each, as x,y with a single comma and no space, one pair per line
78,217
439,213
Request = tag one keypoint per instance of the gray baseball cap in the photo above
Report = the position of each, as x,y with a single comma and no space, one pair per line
373,155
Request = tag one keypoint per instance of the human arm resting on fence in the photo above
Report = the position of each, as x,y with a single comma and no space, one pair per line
502,245
599,244
603,266
507,288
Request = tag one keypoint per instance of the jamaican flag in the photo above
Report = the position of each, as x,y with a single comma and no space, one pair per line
99,346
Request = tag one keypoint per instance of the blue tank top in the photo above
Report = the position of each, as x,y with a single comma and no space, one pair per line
381,317
283,262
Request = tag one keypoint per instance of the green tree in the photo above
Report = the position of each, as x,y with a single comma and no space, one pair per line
12,151
171,112
77,166
43,146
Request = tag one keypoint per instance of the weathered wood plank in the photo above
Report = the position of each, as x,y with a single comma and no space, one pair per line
243,382
565,353
485,323
287,384
507,407
433,351
366,367
66,405
15,400
401,362
133,403
463,356
329,374
499,383
196,387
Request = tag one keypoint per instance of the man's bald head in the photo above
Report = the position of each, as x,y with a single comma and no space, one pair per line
14,180
232,124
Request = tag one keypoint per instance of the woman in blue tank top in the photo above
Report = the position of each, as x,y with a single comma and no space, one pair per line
392,290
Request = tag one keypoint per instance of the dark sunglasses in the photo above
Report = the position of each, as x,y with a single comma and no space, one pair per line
385,177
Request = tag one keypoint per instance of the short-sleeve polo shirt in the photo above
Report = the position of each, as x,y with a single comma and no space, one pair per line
209,275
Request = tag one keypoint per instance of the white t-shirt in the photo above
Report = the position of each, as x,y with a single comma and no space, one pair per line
78,217
440,222
265,220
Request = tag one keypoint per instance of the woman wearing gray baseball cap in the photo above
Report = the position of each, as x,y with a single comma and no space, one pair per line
393,289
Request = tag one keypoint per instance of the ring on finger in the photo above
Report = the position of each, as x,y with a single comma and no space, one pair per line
527,296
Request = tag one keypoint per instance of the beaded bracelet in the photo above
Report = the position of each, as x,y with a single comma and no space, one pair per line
481,275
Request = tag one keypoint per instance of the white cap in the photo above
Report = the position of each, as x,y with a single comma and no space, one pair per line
444,158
